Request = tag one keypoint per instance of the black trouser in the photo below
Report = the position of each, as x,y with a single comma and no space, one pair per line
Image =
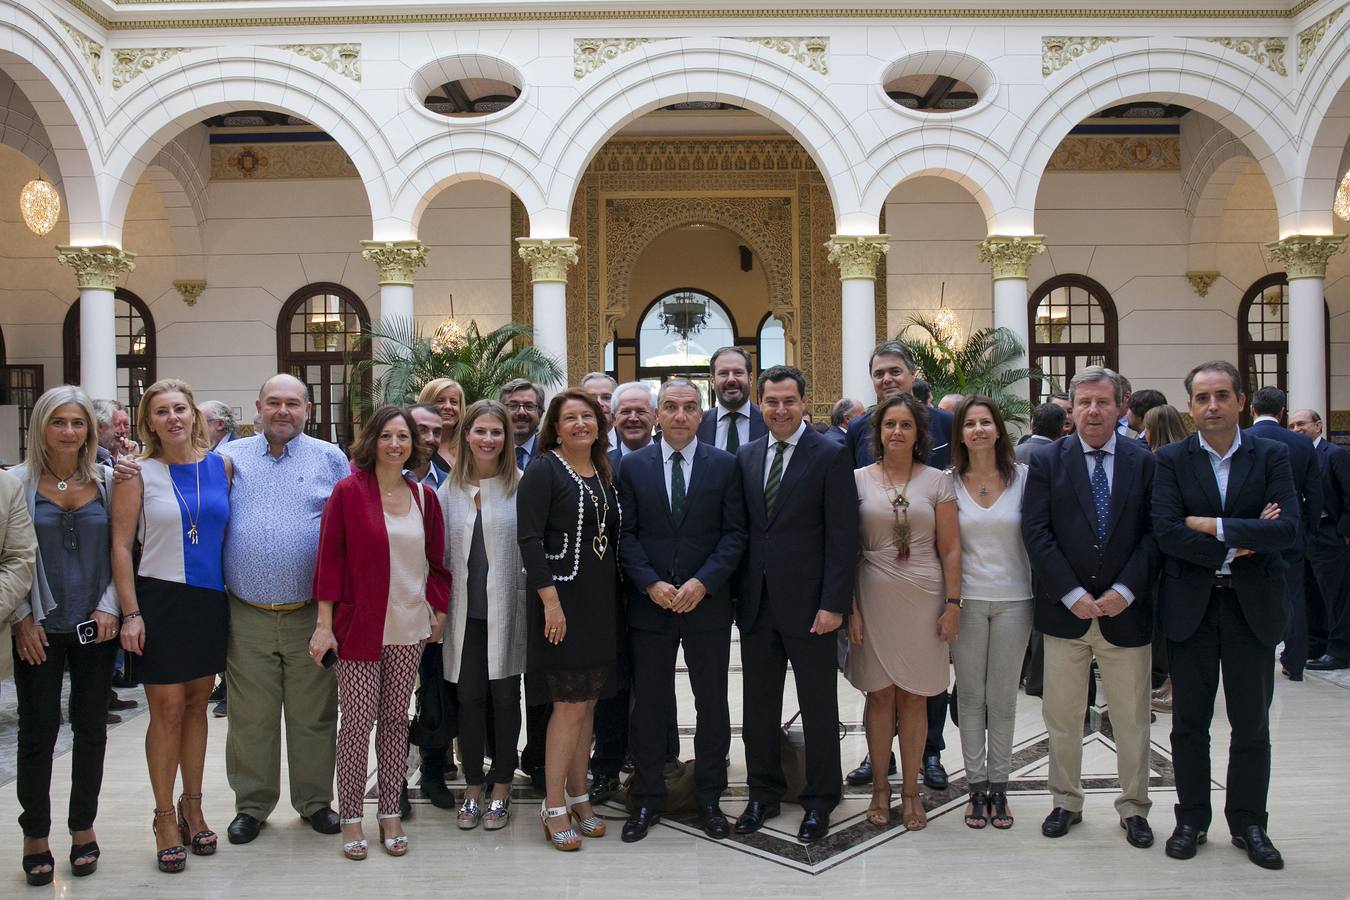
474,688
536,730
765,653
611,734
436,759
934,743
1296,613
39,694
1224,644
1331,568
707,654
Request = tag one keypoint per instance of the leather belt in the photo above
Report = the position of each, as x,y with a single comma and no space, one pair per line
271,607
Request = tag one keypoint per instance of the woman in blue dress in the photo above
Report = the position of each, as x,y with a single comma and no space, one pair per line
172,597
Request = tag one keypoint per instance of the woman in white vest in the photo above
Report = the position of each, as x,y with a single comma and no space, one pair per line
485,641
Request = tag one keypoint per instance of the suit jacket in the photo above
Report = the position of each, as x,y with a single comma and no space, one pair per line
707,429
1329,539
1307,480
18,557
1059,528
1034,442
1185,486
705,542
859,440
836,434
806,555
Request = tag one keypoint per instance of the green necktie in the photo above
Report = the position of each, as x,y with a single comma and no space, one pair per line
775,477
733,433
676,484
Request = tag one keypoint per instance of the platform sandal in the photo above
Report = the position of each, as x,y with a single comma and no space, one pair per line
498,814
170,859
203,843
567,839
591,826
87,851
394,846
358,849
33,861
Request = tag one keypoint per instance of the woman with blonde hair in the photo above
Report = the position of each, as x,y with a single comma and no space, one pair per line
174,614
485,642
448,398
67,494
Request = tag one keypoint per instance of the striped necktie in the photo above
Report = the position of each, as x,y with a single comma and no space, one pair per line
676,484
775,477
733,433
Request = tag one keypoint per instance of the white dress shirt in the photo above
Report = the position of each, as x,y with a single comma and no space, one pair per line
686,464
787,451
1222,466
1108,464
742,424
624,449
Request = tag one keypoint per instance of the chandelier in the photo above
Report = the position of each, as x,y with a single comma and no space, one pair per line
40,205
947,322
1341,205
449,335
684,314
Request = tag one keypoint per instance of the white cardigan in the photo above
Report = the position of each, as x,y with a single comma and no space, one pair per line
505,581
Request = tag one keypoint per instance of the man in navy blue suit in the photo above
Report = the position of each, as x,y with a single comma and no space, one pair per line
1328,576
683,535
843,412
893,369
1267,411
733,420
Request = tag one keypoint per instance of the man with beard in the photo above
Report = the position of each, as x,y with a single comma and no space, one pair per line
525,401
730,370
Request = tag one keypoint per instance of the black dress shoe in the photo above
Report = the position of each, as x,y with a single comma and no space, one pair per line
642,819
1292,676
434,789
324,821
1059,821
933,774
1328,663
1137,831
863,774
713,823
603,787
815,825
1183,842
1259,848
243,829
755,815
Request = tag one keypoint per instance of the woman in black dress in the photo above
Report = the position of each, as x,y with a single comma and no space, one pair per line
567,515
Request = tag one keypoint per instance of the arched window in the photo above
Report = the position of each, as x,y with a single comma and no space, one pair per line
134,329
1072,323
319,339
678,333
19,386
772,343
1263,336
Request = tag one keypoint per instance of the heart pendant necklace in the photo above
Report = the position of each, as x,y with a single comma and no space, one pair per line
599,543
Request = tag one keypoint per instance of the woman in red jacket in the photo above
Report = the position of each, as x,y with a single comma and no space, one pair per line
378,605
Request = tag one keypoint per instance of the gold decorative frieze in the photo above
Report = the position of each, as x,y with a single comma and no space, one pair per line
190,289
621,156
344,59
1265,51
395,260
857,255
315,159
1110,153
548,258
811,52
1310,37
90,49
129,62
1011,256
1201,282
96,267
1058,51
589,54
1305,255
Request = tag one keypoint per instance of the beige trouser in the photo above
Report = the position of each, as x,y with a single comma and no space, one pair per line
1127,680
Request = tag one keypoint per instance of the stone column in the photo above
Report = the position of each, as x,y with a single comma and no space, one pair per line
1304,257
96,272
857,255
549,259
396,261
1010,257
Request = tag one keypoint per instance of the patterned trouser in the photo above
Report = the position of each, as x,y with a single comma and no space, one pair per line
367,692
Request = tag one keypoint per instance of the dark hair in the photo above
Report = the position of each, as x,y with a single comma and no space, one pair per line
712,360
1164,426
548,429
1125,384
1004,457
426,407
1142,401
893,348
520,384
921,391
1268,401
842,411
1060,395
363,450
1215,365
922,439
776,374
1048,420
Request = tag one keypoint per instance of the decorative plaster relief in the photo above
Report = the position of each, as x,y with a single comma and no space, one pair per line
548,258
318,159
1310,37
1058,51
90,48
129,62
344,59
1010,256
1305,255
96,267
1266,51
589,54
811,52
190,289
1202,281
1098,153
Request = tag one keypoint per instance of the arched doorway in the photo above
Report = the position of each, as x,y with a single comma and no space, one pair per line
1263,336
677,335
1072,322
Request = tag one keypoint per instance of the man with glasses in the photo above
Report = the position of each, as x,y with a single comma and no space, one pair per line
525,401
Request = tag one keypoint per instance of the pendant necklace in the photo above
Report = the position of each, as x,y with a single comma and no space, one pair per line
900,510
599,543
192,517
62,484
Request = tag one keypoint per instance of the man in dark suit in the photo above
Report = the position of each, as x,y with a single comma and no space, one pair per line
893,369
1328,577
841,414
1047,426
730,371
796,583
1267,411
1223,511
683,535
1088,531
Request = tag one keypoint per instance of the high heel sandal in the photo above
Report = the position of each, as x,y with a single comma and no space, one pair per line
591,826
498,813
32,861
358,849
203,843
170,859
879,813
978,817
567,839
394,846
1000,818
84,851
915,816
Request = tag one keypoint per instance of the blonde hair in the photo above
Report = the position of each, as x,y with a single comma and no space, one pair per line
150,440
435,386
86,458
506,459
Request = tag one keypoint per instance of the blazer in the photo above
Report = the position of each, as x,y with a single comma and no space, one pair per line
1329,540
836,434
1060,531
358,581
859,439
1034,442
804,558
707,429
1185,486
1307,474
18,557
705,542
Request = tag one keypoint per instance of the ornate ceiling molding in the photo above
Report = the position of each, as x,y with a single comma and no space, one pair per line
589,54
344,59
96,267
1057,51
130,62
1111,153
90,49
1265,51
1201,282
812,52
1310,37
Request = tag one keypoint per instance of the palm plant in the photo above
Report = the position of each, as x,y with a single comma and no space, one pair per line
984,364
403,359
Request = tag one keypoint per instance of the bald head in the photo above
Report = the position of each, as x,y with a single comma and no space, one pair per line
283,408
283,381
1306,422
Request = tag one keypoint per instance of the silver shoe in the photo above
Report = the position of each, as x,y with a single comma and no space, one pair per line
469,814
498,812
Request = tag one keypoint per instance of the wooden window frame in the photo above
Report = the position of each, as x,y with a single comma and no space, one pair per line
288,359
1109,348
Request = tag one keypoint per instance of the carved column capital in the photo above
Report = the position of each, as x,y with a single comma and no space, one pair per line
857,255
96,267
395,260
548,258
1305,255
1011,255
190,289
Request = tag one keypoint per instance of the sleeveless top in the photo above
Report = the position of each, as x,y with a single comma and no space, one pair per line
175,498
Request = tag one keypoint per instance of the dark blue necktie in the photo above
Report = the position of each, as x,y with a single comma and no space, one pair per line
520,457
1101,493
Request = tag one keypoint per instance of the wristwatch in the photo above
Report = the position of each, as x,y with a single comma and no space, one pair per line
957,602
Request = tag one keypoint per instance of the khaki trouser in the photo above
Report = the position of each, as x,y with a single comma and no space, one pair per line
1127,680
270,674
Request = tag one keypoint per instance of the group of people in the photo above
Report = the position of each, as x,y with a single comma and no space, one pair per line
581,543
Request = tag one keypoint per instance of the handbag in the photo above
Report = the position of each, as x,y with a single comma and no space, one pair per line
792,748
434,724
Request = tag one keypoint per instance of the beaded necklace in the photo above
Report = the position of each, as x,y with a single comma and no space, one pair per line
600,543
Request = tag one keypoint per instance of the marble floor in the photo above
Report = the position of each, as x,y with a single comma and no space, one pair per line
1310,723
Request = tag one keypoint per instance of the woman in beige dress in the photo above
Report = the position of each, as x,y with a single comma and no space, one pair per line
907,605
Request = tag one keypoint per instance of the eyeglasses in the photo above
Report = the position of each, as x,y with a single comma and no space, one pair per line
70,538
522,407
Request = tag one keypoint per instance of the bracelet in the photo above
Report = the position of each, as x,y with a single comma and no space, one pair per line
131,615
958,602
